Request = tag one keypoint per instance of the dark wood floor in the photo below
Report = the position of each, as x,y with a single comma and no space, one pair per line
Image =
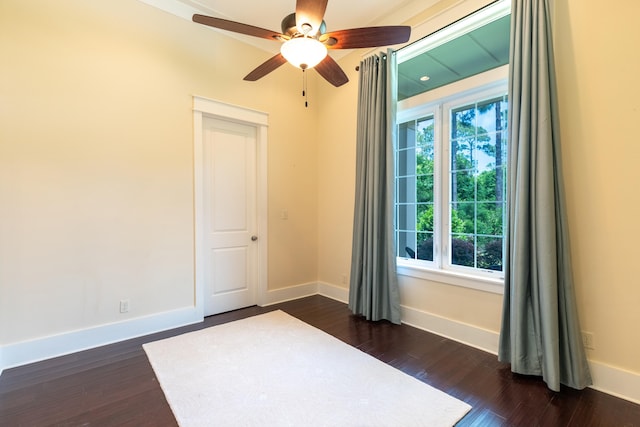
115,385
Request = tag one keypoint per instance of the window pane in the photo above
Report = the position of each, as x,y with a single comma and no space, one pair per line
487,114
425,135
406,162
424,164
485,153
487,185
406,135
424,167
425,217
503,112
478,147
425,188
463,123
406,191
501,156
462,154
463,218
406,244
502,184
462,251
490,218
492,117
425,246
490,253
462,187
406,219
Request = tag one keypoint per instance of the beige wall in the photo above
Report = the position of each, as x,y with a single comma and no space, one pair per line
598,66
336,175
96,161
96,167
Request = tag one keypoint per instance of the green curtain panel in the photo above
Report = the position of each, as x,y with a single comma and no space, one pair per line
373,288
540,329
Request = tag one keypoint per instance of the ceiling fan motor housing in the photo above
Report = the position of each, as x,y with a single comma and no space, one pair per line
289,27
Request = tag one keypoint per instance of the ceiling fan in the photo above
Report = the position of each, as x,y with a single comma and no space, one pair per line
305,40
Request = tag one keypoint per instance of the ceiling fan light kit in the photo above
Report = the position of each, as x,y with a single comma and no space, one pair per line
305,40
303,52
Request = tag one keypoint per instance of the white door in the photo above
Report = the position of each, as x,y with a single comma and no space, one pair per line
230,215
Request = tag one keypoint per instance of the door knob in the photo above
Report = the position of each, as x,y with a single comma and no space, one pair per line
254,238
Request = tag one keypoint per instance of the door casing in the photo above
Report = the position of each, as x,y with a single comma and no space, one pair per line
203,107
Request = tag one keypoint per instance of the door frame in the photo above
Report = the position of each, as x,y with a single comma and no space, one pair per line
204,107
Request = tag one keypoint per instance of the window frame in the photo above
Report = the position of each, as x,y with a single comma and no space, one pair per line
487,85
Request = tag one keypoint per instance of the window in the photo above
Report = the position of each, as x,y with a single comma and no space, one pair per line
451,154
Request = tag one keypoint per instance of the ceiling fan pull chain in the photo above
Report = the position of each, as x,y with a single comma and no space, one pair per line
304,89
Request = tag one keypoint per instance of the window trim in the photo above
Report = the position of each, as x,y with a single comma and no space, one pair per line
410,268
481,85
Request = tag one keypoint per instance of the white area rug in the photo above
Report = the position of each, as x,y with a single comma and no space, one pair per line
275,370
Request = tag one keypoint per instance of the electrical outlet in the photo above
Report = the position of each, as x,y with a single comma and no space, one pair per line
587,340
124,306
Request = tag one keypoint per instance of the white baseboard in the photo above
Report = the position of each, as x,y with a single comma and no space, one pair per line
470,335
289,293
337,293
25,352
615,381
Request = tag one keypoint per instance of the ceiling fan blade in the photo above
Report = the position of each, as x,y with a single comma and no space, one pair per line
237,27
356,38
331,71
310,12
265,68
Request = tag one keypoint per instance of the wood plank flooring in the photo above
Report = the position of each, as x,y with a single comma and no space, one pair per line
114,385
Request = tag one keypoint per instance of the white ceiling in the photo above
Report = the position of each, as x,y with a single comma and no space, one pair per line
268,14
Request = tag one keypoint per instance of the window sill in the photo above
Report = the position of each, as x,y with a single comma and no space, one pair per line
486,284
